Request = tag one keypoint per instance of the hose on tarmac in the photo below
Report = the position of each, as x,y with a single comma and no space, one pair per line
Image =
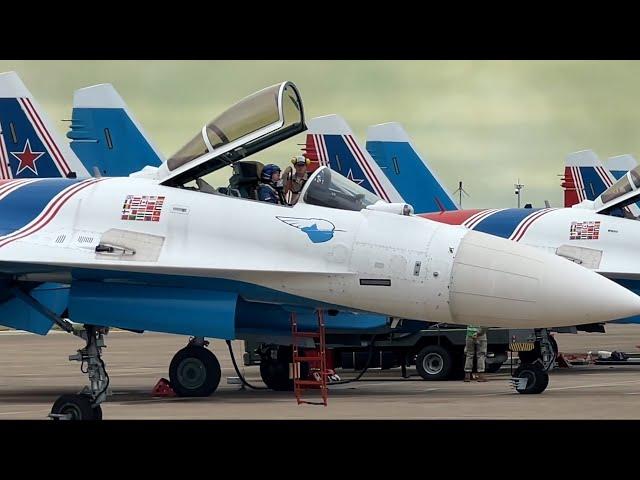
340,382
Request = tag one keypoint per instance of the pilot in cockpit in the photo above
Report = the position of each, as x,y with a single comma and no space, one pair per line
270,189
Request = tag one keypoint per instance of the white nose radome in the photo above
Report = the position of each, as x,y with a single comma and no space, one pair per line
499,283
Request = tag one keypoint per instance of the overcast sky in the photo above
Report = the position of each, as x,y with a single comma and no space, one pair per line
486,123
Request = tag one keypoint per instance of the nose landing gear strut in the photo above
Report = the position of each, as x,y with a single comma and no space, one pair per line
86,404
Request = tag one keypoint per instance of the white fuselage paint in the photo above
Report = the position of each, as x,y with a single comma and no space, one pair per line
437,272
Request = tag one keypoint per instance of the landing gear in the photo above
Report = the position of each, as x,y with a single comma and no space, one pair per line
532,376
86,404
545,352
531,379
75,407
195,370
275,370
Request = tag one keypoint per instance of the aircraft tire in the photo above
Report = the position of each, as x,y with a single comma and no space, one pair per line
78,406
538,379
194,372
275,372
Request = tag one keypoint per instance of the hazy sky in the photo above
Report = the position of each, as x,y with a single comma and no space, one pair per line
487,123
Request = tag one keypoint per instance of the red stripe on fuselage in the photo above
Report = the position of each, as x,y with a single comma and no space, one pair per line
454,217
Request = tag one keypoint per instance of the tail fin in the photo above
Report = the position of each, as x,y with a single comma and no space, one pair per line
330,141
585,177
29,145
621,164
106,136
391,148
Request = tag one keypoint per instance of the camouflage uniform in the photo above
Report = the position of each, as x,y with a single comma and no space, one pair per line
475,346
294,185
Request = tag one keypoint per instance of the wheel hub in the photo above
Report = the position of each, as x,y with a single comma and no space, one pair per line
432,363
192,373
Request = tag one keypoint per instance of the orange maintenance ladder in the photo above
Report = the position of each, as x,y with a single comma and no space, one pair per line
319,357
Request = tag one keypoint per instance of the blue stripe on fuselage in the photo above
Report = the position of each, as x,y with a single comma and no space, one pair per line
503,223
24,204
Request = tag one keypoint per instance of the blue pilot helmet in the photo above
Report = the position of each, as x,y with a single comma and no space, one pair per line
269,170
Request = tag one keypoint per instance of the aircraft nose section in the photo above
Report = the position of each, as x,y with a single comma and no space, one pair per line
498,282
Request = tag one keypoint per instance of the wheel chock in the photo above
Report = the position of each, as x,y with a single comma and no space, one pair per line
163,389
562,362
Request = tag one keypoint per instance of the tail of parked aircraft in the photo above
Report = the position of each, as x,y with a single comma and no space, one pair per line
105,135
408,171
621,164
29,145
330,141
585,177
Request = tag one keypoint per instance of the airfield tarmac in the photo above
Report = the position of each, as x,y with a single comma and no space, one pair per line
34,371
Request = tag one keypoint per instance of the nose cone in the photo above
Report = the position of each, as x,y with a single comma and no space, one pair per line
501,283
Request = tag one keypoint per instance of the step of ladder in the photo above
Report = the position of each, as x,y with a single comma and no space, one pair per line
301,384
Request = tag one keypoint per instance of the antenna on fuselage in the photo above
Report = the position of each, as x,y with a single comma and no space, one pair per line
460,191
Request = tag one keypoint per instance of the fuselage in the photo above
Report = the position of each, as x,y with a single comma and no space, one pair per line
599,242
118,239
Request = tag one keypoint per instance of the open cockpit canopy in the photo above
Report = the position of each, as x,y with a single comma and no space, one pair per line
257,122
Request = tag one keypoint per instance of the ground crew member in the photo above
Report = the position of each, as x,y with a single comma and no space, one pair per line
269,189
475,347
294,181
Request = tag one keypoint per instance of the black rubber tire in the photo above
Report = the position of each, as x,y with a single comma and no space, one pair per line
434,363
79,406
194,372
275,372
538,378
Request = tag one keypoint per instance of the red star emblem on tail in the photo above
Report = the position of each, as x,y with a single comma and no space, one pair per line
27,159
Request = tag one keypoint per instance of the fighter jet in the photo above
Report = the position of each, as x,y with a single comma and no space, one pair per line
586,234
162,250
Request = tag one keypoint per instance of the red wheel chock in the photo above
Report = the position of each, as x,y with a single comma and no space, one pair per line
163,389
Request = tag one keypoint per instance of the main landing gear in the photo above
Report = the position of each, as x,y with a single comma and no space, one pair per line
194,370
86,404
